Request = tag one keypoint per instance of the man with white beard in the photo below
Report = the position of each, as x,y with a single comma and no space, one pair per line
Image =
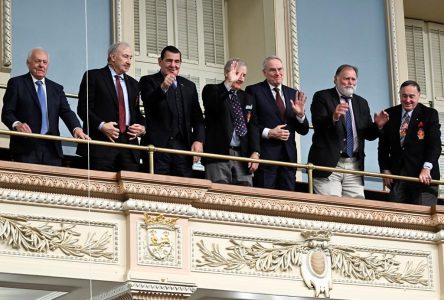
342,122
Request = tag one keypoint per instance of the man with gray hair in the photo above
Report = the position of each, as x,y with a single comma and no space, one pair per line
342,122
281,113
230,127
109,108
34,104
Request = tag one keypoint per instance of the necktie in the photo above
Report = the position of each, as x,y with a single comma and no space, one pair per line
121,100
239,121
280,103
43,107
174,85
403,128
348,128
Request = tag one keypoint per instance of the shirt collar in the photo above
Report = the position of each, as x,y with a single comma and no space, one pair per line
272,87
113,73
35,79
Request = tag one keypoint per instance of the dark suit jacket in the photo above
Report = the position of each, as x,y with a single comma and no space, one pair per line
98,103
158,111
422,142
21,103
268,117
328,136
219,121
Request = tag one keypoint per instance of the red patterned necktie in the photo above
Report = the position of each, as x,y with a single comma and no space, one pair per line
280,103
121,100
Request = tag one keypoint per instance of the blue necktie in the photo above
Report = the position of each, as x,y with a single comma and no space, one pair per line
42,101
348,129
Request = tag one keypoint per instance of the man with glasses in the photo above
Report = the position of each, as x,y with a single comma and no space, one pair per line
173,114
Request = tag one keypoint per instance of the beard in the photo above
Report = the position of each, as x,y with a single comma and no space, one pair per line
346,90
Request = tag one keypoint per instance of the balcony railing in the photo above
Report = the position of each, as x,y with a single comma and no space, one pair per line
151,149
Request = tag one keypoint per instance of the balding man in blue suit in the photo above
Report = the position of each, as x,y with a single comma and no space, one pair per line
34,104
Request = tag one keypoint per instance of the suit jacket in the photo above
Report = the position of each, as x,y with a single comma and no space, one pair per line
328,136
268,117
219,121
158,111
98,103
21,103
422,142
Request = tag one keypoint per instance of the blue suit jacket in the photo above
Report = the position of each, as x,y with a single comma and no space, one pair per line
268,117
21,103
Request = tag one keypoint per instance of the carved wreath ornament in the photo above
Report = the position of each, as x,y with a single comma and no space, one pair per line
316,259
19,234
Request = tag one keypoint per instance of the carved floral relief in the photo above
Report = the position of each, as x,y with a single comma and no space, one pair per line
57,238
319,262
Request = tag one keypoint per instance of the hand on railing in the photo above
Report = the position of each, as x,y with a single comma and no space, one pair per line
79,134
387,181
23,127
252,166
196,147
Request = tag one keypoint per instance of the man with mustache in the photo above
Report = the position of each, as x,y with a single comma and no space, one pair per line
173,114
342,122
230,127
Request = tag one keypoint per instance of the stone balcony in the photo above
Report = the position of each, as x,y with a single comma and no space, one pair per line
77,234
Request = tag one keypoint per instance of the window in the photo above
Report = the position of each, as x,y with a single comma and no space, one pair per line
425,58
196,27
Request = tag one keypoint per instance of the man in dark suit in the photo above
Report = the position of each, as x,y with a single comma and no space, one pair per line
280,111
230,127
342,122
173,114
109,108
410,146
34,104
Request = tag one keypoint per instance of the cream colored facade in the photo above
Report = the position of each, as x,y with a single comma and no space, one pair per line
77,234
158,237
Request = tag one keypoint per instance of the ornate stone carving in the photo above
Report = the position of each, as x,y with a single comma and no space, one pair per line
316,210
137,290
294,44
45,182
18,233
393,46
7,33
60,199
159,241
317,259
155,191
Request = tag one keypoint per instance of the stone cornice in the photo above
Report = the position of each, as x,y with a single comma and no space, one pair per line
188,197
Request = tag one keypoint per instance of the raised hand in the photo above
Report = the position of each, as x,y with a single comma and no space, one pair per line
232,75
381,118
298,104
